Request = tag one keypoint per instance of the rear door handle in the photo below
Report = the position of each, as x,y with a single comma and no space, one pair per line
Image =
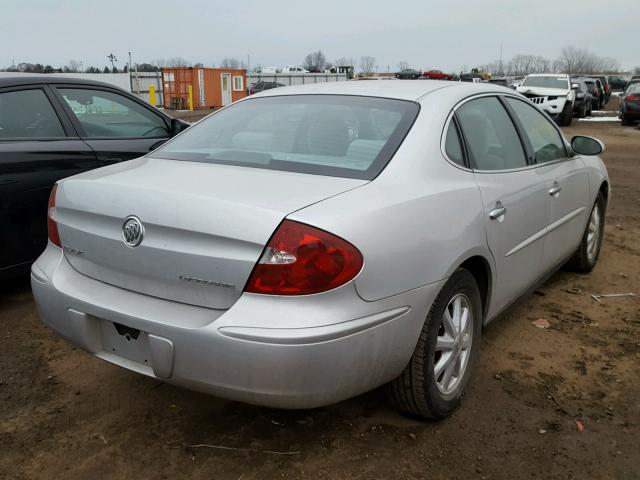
498,211
555,190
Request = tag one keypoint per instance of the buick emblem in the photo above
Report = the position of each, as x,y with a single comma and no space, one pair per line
132,231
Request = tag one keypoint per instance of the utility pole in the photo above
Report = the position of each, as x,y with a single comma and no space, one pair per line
501,71
130,64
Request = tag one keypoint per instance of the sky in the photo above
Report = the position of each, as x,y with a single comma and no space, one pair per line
450,35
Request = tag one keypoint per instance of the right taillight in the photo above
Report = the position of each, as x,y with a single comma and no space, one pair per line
52,226
632,98
301,260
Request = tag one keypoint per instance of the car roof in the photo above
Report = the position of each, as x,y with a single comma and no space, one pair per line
21,79
397,89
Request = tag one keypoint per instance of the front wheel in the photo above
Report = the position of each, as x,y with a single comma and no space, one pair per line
586,256
567,115
433,383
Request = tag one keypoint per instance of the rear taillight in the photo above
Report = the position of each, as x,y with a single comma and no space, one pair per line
52,226
632,98
301,259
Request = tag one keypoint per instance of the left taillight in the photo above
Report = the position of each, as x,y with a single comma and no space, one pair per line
52,225
301,260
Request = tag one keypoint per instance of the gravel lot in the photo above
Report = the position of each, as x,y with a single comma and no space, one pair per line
65,414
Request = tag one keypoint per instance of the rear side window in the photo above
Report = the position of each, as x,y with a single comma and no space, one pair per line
337,135
28,114
544,138
492,140
109,115
452,145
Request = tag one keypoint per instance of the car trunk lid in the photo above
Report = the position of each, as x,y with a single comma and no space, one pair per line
205,225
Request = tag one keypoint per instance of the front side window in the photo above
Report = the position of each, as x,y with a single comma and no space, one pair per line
546,81
544,138
28,114
110,115
492,139
337,135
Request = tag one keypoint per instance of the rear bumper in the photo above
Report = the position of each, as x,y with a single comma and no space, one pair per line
275,351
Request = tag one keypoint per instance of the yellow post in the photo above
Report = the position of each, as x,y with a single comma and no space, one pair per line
152,95
190,90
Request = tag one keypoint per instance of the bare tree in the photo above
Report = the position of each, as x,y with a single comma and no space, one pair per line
367,64
178,62
403,66
232,63
73,66
315,62
344,61
636,70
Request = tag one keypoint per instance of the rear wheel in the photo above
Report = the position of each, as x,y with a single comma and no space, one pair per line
588,252
626,121
432,384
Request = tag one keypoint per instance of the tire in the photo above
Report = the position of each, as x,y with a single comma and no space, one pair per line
625,121
583,111
417,391
586,256
567,115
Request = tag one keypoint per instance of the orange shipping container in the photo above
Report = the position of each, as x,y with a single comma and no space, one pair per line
212,87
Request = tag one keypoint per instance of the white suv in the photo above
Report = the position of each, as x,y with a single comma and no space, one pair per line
552,94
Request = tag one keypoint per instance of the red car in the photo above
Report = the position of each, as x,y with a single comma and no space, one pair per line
437,75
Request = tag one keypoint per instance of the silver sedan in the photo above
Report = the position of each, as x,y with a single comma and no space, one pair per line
311,243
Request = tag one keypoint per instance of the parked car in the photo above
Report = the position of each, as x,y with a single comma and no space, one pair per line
601,93
596,100
630,104
633,81
471,77
509,82
617,82
438,75
262,86
270,70
552,93
408,74
605,86
54,127
303,257
583,104
296,69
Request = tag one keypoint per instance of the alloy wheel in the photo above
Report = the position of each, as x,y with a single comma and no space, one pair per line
593,234
453,344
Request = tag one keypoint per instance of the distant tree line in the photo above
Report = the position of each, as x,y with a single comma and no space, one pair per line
571,60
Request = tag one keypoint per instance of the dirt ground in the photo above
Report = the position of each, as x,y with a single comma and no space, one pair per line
67,415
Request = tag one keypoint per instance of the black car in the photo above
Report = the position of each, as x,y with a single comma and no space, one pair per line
617,82
630,104
262,86
51,128
583,104
605,86
408,74
595,87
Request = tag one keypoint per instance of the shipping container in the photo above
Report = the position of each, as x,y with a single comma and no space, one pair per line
211,87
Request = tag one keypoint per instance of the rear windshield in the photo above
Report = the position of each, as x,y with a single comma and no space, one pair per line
546,82
336,135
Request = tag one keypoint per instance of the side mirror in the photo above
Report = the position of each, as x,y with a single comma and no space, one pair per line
574,86
587,145
178,126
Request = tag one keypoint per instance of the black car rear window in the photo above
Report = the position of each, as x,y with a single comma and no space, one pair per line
336,135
